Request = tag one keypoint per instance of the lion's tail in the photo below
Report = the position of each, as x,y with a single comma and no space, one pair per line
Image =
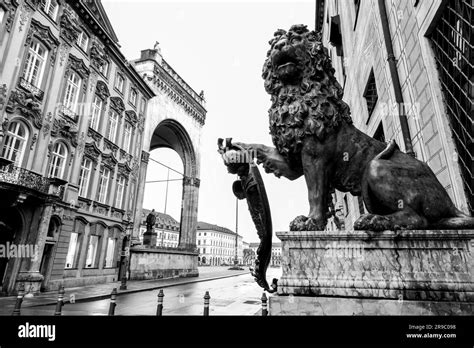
388,151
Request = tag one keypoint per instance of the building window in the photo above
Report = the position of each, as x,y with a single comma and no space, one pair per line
83,41
97,105
451,40
120,192
119,82
370,94
113,121
50,7
109,256
127,137
58,161
104,185
71,252
92,251
34,67
72,92
133,96
15,142
84,177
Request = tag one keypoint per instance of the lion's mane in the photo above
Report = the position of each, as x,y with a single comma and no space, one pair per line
314,107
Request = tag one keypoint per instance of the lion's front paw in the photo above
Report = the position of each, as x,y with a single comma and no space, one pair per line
303,223
298,223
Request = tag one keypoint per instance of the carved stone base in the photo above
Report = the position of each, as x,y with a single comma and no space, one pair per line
149,238
403,266
31,282
307,305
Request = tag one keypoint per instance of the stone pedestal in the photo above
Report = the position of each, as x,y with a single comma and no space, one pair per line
359,272
149,238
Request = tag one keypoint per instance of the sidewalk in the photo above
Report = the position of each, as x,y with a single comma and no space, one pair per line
101,291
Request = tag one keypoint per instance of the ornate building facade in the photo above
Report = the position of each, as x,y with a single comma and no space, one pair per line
216,245
72,112
406,70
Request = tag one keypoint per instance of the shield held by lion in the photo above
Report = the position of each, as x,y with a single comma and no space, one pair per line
314,137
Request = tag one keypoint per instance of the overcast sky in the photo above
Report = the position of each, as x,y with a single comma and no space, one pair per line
218,47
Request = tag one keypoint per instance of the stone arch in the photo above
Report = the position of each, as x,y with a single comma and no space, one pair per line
171,134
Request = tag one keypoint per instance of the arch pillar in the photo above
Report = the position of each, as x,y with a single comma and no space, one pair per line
189,211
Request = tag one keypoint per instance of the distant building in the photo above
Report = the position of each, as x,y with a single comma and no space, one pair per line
166,227
276,253
216,245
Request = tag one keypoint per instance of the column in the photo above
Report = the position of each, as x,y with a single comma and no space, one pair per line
189,210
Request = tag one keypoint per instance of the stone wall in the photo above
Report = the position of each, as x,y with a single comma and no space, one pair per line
150,263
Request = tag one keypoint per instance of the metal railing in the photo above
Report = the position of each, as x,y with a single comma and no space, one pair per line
22,177
452,44
38,93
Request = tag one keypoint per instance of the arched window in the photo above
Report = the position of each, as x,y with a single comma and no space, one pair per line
15,142
58,161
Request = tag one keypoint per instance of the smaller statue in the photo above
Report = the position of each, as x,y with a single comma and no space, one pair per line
150,221
156,46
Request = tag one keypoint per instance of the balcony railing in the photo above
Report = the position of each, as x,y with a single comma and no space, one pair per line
22,177
19,176
38,93
68,112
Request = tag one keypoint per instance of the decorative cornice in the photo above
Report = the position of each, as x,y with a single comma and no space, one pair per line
92,151
109,160
26,104
92,133
164,81
69,26
65,129
124,169
117,104
108,145
10,6
43,33
78,66
97,54
102,90
131,116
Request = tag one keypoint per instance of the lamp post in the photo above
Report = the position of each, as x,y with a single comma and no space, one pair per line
236,260
126,253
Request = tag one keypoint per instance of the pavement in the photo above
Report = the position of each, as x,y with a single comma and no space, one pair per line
103,291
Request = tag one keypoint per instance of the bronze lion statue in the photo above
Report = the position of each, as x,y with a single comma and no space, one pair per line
314,136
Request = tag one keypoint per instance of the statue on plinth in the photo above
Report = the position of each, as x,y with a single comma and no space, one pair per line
314,136
150,221
149,237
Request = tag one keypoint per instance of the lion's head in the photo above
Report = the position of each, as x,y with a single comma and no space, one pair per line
306,97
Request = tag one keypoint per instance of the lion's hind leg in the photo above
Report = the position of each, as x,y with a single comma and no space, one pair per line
406,219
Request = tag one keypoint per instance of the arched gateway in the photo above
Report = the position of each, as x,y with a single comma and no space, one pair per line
175,117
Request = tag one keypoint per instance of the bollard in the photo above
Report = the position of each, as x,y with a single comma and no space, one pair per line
60,303
159,309
206,303
113,297
264,305
19,299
